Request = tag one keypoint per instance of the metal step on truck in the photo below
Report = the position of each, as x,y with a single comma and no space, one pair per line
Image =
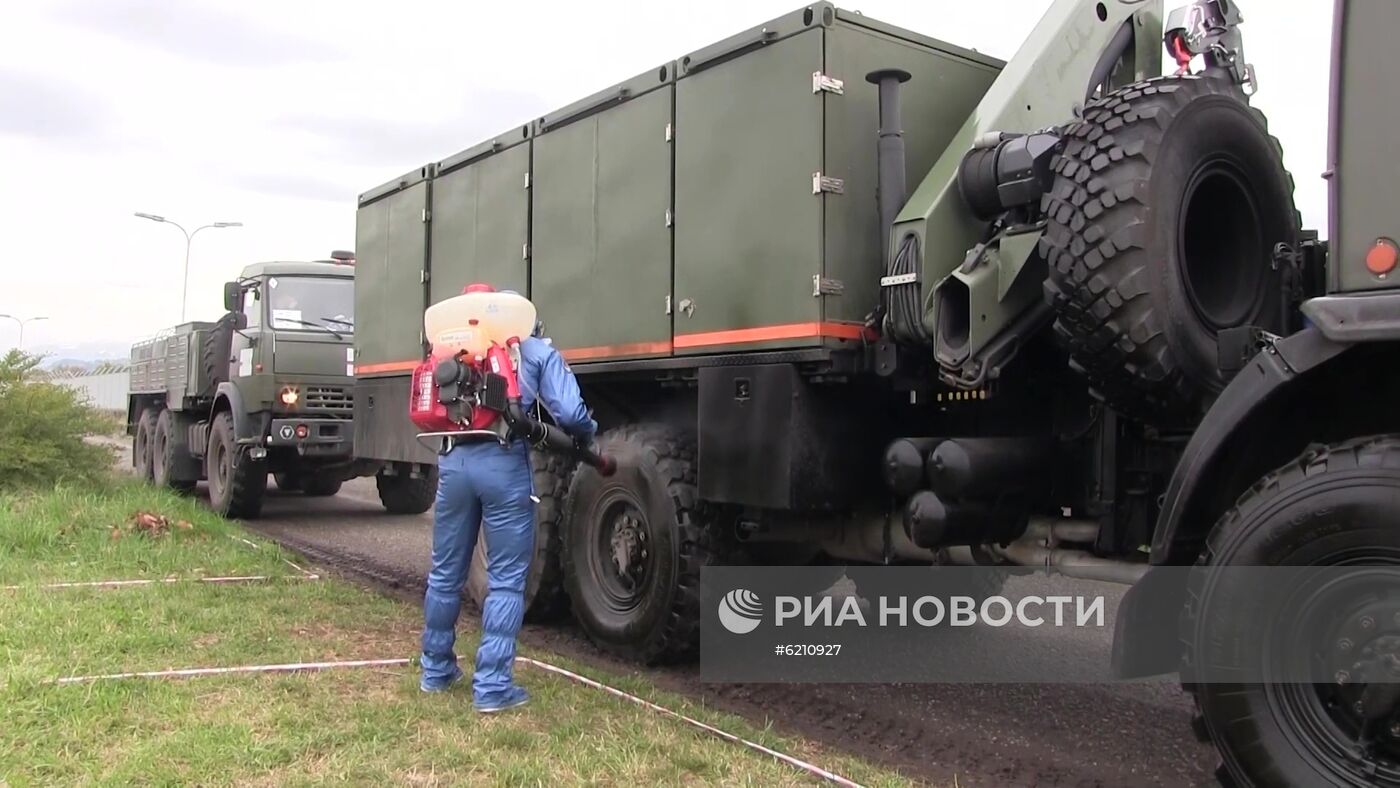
1093,334
266,390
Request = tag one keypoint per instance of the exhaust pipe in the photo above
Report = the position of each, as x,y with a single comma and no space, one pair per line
891,188
1040,546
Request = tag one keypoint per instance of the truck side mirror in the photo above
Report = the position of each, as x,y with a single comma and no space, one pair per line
233,298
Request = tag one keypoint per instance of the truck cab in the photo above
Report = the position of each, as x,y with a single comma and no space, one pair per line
265,390
290,357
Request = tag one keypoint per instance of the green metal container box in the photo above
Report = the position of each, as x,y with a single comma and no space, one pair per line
601,236
777,234
390,271
480,217
720,203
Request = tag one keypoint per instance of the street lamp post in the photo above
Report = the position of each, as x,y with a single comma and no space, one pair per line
189,239
21,323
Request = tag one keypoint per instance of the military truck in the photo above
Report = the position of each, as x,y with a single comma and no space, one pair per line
1093,336
265,390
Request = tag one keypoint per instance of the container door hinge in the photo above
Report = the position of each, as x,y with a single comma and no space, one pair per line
427,216
821,83
670,218
670,132
668,303
527,180
822,286
424,277
826,184
525,252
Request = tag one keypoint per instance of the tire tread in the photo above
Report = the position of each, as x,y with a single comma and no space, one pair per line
1096,247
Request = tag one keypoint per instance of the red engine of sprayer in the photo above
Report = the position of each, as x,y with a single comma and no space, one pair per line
458,393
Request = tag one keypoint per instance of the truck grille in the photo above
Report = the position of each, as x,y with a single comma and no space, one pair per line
330,398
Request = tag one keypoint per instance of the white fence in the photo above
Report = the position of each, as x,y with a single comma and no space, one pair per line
106,391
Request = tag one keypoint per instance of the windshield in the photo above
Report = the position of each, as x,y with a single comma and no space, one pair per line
309,303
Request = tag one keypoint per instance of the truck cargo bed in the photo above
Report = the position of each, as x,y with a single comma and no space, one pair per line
169,364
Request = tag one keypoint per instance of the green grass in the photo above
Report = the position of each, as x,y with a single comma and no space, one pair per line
358,726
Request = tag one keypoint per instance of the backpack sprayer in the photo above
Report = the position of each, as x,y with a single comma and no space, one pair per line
468,388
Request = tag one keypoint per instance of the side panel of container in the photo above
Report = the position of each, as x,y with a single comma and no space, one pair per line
1365,108
601,248
389,262
748,227
383,430
480,225
944,90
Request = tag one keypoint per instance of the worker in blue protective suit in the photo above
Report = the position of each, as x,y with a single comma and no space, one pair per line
487,485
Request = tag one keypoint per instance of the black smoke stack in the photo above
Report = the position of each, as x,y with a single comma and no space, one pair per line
891,152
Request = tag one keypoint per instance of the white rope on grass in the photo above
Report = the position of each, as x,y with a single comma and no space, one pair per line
309,667
166,581
256,546
810,768
294,566
253,545
295,667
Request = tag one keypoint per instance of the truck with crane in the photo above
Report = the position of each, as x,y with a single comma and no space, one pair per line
1094,335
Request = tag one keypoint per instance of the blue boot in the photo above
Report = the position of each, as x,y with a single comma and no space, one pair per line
510,699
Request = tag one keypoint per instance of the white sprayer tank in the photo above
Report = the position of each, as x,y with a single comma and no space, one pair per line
471,322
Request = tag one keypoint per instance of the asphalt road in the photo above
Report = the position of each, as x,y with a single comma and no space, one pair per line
983,734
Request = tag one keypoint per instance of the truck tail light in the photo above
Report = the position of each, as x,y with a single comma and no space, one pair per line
1382,257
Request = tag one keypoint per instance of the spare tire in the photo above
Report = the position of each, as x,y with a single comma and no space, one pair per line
1168,201
215,353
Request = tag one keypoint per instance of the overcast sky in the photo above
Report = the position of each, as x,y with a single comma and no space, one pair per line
277,114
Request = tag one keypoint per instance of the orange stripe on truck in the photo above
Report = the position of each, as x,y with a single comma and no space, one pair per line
387,366
738,336
741,336
614,351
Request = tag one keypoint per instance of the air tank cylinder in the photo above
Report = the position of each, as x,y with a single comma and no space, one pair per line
987,467
903,465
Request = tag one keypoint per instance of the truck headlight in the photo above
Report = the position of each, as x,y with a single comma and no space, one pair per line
290,396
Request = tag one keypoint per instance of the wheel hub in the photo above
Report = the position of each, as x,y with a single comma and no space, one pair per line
1363,698
1365,662
629,550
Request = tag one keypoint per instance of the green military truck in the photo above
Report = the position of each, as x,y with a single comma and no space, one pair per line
1093,336
265,390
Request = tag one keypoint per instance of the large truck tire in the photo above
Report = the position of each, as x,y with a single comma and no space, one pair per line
170,452
214,352
634,545
287,481
1332,505
545,597
142,454
236,485
321,485
403,494
1168,201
